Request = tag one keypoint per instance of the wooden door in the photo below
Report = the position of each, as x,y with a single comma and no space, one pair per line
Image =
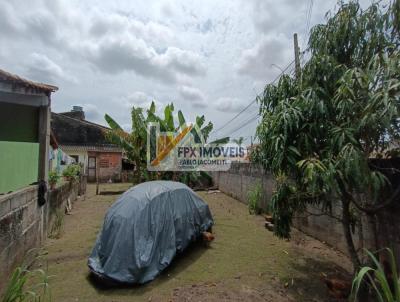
92,169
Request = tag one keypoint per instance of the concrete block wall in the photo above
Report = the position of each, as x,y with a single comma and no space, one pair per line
24,224
21,227
324,228
242,177
58,200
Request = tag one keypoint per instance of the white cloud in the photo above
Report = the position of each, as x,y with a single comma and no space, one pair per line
206,26
115,23
227,104
92,113
139,99
43,25
269,16
42,68
167,9
114,42
113,54
117,53
193,95
183,61
9,21
257,61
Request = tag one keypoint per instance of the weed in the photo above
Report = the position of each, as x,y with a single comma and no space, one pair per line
254,198
57,227
18,289
385,289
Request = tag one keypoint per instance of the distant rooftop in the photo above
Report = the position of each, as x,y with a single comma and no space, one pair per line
76,112
75,133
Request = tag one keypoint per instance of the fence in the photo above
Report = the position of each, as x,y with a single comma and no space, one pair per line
24,224
242,177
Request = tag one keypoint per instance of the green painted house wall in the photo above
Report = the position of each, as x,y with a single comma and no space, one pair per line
19,147
19,123
19,163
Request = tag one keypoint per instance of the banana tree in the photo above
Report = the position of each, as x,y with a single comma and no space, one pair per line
238,141
167,124
132,143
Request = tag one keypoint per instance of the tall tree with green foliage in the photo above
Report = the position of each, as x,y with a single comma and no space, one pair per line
134,143
319,132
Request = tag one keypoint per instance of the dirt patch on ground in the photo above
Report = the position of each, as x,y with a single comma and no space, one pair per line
244,263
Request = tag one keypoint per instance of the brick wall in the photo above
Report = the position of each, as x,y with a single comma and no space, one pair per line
24,224
109,165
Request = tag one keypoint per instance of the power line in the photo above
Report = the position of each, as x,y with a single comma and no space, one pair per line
231,120
245,123
251,119
239,121
252,102
308,20
247,120
310,15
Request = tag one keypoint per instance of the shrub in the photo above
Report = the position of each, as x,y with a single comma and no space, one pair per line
19,287
254,198
53,178
384,289
71,172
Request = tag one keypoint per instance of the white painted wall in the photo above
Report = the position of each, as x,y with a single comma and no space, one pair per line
83,157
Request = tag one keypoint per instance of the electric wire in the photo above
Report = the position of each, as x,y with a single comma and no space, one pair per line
252,102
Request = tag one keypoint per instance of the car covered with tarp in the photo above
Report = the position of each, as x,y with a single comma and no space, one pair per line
144,230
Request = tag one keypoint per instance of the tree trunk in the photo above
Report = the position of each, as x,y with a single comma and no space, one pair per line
347,233
361,237
372,228
138,171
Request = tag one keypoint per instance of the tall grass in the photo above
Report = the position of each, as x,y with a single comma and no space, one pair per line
254,199
28,285
384,289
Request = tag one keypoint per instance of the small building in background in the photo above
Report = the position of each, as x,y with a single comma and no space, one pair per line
85,142
24,131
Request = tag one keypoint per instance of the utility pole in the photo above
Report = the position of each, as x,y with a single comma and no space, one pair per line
296,56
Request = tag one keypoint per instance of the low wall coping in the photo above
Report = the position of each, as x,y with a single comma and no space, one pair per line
18,192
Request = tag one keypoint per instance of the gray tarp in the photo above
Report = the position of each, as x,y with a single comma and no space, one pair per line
144,229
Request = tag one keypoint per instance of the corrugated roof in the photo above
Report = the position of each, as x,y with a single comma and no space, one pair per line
63,114
16,80
75,132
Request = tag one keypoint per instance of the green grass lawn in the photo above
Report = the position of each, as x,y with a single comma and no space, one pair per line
244,263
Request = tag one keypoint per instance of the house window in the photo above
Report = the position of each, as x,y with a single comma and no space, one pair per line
76,158
104,163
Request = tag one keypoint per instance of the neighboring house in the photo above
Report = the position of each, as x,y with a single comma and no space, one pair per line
24,131
86,143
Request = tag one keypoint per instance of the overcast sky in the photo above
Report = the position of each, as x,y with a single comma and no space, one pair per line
208,56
